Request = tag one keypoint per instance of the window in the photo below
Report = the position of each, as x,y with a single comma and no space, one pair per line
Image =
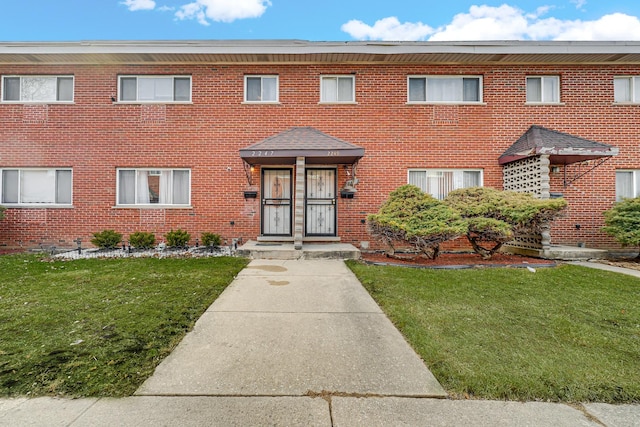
261,88
154,187
35,187
445,89
439,182
337,89
543,89
37,88
626,89
627,184
154,89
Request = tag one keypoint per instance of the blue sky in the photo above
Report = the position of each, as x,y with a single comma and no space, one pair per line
70,20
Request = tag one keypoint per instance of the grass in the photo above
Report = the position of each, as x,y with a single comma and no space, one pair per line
568,334
98,327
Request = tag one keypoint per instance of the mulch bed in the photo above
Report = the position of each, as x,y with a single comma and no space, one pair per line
458,260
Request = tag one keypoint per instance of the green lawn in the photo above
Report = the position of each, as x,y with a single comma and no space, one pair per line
98,327
567,334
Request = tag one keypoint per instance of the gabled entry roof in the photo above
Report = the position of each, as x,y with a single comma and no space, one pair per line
562,148
317,147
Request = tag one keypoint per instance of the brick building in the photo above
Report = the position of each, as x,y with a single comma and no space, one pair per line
299,141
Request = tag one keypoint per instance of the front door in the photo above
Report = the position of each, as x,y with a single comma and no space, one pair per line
276,202
320,215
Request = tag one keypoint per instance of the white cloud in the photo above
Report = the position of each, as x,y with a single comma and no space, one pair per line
501,23
387,29
222,10
579,3
134,5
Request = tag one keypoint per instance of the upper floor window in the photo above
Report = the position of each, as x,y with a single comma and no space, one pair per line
627,184
35,187
337,89
544,89
154,187
261,88
37,88
154,89
626,89
439,182
453,89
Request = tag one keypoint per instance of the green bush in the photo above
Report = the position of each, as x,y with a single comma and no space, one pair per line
177,238
410,216
623,222
142,240
493,217
2,209
211,239
107,239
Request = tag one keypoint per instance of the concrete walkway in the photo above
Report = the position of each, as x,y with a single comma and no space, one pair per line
298,343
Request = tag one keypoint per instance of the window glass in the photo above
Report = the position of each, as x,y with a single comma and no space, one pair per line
38,89
128,89
269,89
627,184
37,186
63,187
10,187
11,90
543,89
345,89
254,89
182,89
148,187
65,89
417,89
439,183
444,89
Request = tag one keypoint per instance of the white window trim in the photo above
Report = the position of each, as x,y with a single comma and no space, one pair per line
262,76
542,79
150,205
338,76
447,76
151,76
34,205
632,80
73,88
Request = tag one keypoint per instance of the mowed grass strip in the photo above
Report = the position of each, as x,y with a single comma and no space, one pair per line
568,334
98,327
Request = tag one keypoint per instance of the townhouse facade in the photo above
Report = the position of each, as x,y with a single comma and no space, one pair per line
299,141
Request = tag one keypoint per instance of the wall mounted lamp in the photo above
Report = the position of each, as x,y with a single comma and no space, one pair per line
248,170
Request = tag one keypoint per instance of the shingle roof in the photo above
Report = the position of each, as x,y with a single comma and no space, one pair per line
316,146
563,148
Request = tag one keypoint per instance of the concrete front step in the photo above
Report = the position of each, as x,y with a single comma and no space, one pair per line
278,250
560,252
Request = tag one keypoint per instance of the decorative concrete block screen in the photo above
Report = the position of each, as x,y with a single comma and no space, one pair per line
529,175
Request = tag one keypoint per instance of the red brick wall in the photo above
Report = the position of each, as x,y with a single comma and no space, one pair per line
94,136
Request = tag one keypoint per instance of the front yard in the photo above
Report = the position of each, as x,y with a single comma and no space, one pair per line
567,334
98,327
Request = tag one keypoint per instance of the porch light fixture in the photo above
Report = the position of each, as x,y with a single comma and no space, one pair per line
248,170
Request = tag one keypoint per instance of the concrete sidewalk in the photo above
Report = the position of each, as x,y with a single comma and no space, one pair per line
298,343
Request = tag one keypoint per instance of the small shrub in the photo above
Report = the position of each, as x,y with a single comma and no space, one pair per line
177,238
211,239
623,222
107,239
2,209
142,240
410,216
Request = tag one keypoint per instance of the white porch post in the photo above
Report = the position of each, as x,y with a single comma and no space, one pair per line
298,215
